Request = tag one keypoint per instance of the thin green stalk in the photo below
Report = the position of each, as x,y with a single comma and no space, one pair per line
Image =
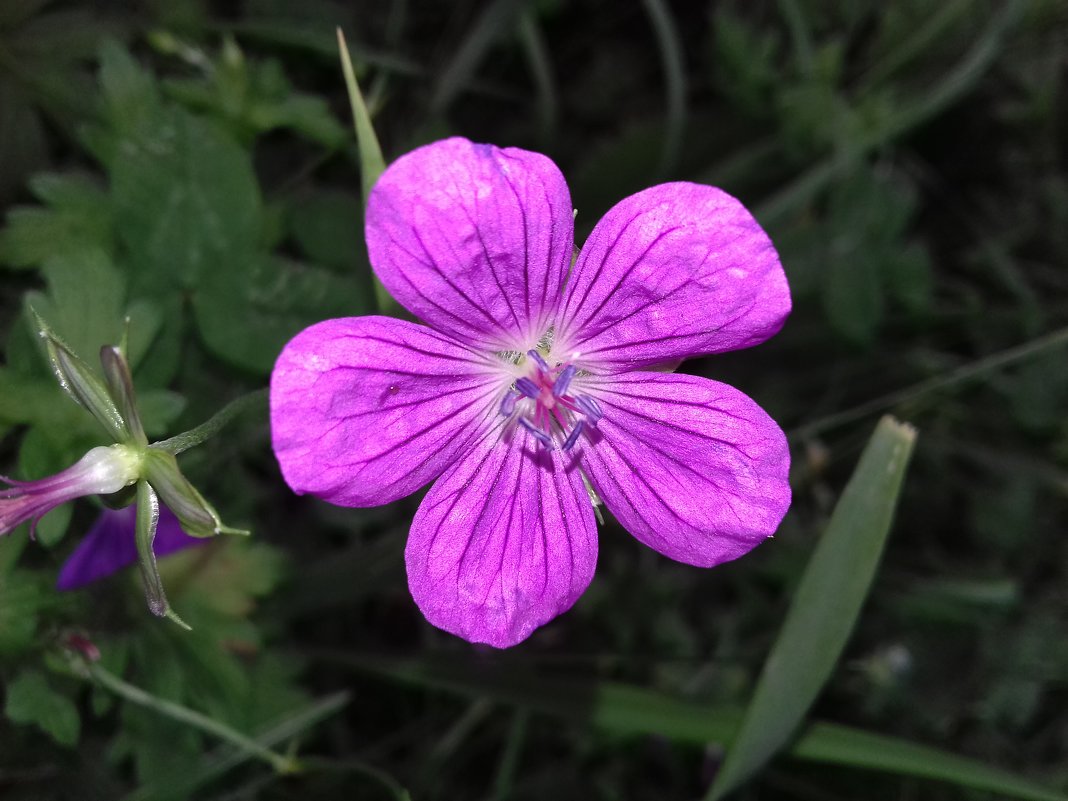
135,695
496,19
800,35
212,426
964,373
513,746
218,765
953,86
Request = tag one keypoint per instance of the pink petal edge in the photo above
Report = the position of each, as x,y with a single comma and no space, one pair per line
365,410
674,271
693,468
474,240
504,542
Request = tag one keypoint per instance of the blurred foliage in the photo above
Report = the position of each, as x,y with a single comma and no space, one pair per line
189,164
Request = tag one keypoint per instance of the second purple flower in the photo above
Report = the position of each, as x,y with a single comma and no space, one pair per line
533,377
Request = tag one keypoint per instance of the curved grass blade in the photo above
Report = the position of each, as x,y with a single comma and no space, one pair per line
825,608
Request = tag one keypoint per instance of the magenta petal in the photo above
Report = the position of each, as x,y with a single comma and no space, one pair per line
504,542
473,239
111,545
691,467
674,271
365,410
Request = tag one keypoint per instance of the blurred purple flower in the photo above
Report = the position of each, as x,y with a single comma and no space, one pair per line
111,545
530,376
102,471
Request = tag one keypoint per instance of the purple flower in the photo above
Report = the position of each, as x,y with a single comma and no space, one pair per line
101,471
110,546
533,377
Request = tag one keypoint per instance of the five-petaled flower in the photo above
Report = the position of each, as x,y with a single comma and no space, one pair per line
533,376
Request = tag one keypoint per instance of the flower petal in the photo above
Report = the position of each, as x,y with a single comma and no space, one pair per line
674,271
503,542
365,410
474,240
110,546
693,468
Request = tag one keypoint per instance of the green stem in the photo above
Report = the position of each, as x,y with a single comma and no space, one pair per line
964,373
208,429
135,695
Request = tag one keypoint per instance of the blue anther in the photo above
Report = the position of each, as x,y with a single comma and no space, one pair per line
508,403
527,387
563,381
590,408
537,433
544,365
572,438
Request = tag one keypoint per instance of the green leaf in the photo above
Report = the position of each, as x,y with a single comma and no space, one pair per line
853,297
372,163
825,607
31,701
77,218
189,202
22,139
86,306
326,225
910,278
130,94
246,315
22,596
629,710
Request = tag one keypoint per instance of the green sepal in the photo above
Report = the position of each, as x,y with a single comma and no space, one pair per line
197,517
147,522
78,380
120,387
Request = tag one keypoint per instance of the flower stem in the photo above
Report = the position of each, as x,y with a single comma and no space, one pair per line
212,426
282,764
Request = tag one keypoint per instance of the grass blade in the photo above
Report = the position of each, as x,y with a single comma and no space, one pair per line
827,604
372,162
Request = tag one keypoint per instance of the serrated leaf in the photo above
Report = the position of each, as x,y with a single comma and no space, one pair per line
130,95
78,218
825,606
86,306
229,583
189,202
248,312
31,701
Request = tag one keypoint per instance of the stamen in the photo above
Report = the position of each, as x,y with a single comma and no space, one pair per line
537,433
572,438
563,381
590,408
527,387
533,354
508,403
